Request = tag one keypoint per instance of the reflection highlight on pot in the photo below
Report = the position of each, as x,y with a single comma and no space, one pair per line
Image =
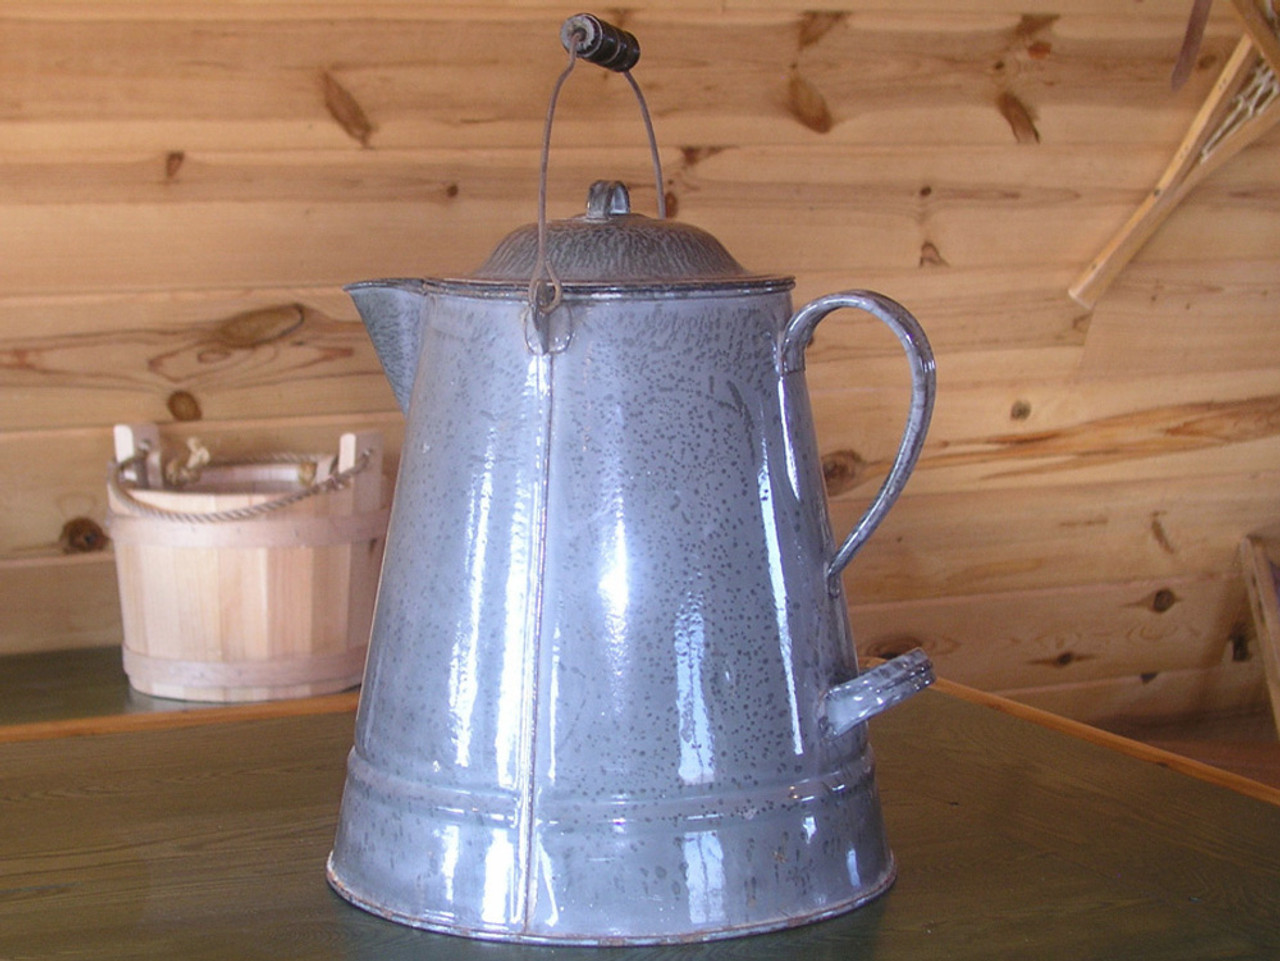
697,748
769,518
704,877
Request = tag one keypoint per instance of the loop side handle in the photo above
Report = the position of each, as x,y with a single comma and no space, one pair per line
796,337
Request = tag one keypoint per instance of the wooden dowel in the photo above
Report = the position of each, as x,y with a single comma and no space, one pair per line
1264,603
1260,31
1187,169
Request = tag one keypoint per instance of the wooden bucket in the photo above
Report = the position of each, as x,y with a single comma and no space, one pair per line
258,581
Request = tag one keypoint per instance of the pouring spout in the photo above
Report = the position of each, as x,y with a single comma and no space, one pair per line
894,681
392,311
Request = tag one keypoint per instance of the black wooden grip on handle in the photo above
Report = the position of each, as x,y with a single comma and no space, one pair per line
600,42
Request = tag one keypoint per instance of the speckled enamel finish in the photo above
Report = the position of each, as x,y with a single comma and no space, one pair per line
595,706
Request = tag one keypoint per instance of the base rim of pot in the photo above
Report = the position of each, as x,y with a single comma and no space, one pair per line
515,936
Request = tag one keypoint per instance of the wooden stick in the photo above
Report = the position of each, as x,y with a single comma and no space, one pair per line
129,441
1115,742
1260,32
368,483
1191,43
1190,165
1260,579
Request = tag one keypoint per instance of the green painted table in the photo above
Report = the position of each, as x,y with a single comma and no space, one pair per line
207,839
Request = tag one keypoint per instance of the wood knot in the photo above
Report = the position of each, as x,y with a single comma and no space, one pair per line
1031,24
1064,659
816,24
930,256
891,647
1020,410
1019,117
1239,644
82,535
173,163
808,105
692,156
183,405
262,326
346,110
1160,534
1163,599
842,470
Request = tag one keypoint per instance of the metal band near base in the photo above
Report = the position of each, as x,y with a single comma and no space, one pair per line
143,669
280,531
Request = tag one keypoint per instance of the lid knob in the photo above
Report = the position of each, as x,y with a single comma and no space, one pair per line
608,198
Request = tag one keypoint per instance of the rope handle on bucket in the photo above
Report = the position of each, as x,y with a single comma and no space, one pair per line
334,482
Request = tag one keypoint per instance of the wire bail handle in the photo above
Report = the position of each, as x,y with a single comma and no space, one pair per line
587,37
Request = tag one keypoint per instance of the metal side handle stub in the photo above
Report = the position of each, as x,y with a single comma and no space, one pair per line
882,687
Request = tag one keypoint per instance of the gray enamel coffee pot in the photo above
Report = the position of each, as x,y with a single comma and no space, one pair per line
611,694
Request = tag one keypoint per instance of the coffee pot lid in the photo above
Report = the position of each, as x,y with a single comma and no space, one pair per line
611,245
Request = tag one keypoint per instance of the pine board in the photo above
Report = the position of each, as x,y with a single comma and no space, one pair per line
50,248
56,603
976,542
1029,433
1189,317
777,211
1232,688
266,353
1066,635
446,74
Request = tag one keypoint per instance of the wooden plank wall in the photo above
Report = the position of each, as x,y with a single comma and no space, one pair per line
185,186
